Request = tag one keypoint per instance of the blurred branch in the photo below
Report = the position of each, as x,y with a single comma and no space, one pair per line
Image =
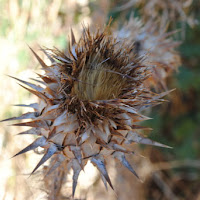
164,186
176,164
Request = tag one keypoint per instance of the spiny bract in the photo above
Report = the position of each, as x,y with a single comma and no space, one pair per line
90,101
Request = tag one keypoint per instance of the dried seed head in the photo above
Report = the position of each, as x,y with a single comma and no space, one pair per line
92,98
151,40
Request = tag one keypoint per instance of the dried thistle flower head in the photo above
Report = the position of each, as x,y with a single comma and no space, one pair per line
168,11
89,106
151,40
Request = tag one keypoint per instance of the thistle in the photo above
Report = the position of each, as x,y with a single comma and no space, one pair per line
89,104
151,39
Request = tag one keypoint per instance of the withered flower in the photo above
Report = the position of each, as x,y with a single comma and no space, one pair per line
152,40
90,103
168,11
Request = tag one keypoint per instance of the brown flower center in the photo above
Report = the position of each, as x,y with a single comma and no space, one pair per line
98,82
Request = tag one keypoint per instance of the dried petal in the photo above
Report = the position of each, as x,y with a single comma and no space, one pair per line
76,169
40,142
50,152
102,168
121,157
